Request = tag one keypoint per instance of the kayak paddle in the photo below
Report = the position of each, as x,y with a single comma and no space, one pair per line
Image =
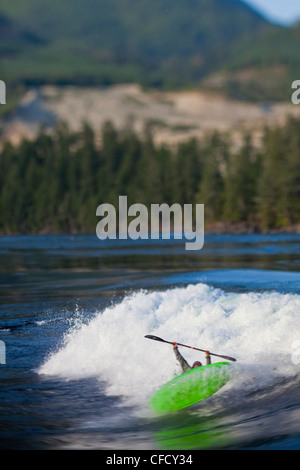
156,338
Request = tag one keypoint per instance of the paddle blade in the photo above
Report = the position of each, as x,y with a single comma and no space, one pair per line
155,338
228,358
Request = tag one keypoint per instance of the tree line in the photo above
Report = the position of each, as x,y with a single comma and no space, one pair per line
55,182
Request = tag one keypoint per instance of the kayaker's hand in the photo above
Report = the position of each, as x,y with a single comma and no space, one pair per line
174,345
207,353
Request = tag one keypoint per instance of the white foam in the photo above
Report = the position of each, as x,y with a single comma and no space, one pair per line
258,329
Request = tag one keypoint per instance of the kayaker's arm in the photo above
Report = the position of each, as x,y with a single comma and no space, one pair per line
184,365
208,358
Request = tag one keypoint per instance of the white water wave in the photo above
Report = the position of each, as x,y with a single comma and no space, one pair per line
259,329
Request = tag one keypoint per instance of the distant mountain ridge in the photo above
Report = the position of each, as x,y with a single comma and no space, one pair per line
156,43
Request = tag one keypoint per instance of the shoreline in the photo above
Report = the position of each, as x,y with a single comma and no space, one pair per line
216,228
243,228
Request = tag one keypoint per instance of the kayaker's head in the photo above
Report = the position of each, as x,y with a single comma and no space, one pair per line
197,364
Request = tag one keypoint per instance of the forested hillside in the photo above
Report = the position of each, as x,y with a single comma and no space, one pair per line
263,68
55,183
156,43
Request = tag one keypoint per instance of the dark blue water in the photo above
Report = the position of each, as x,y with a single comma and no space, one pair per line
61,390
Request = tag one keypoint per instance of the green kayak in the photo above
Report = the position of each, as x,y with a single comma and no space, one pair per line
191,387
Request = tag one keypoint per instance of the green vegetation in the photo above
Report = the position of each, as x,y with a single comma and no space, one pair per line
97,42
56,182
263,68
158,43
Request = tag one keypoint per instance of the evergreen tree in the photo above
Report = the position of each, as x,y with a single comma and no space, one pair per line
240,183
56,182
271,185
211,186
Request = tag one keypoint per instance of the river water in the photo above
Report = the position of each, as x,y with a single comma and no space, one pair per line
78,373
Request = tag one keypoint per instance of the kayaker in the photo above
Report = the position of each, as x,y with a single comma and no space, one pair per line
184,364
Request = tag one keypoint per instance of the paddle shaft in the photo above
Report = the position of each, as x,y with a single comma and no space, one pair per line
156,338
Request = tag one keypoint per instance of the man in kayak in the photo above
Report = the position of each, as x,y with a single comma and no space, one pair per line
184,365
